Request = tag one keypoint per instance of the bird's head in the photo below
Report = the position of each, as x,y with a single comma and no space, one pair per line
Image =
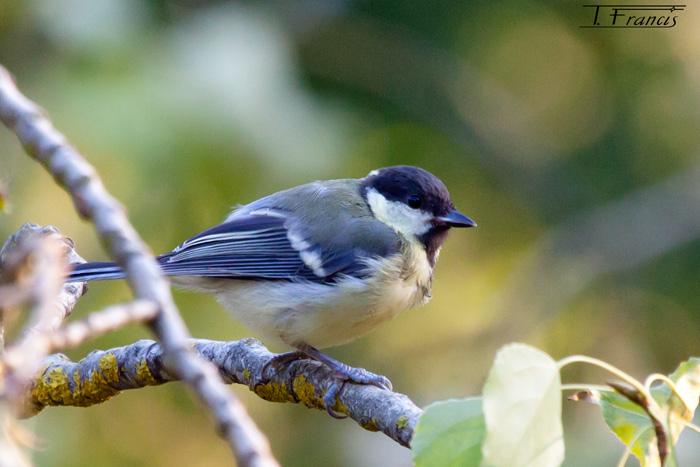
415,203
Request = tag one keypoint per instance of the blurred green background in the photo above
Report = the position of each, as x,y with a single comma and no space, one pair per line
576,151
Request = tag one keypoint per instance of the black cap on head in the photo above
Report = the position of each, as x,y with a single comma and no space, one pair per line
413,186
419,189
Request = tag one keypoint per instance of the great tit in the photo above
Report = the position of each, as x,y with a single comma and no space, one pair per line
321,264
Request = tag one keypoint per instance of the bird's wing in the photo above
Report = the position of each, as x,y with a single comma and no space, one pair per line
248,247
264,245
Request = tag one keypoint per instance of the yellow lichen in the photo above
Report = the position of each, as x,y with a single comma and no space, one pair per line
53,387
305,391
402,422
371,426
246,374
143,373
96,388
273,392
109,368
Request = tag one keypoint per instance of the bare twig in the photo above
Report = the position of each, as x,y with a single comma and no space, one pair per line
103,374
100,322
74,334
15,257
72,172
48,269
34,261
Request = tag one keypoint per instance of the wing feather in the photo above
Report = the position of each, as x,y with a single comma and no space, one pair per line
270,240
270,245
251,247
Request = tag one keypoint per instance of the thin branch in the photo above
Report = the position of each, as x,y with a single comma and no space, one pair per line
103,374
78,332
72,172
48,267
100,322
33,263
17,255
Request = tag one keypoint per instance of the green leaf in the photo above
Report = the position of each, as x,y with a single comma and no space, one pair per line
522,409
449,433
687,379
632,425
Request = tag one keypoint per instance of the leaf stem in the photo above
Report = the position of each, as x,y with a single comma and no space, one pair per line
628,451
586,387
692,426
606,366
653,405
652,378
625,456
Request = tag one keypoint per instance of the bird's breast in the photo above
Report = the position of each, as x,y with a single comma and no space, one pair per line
404,280
325,315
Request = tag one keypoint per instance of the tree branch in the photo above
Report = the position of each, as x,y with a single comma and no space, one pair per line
103,374
92,201
42,252
98,323
32,264
17,284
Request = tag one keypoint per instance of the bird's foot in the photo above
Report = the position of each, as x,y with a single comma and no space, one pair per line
344,373
279,361
355,375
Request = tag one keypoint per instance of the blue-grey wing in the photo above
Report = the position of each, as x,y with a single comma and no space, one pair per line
275,245
318,232
255,247
248,247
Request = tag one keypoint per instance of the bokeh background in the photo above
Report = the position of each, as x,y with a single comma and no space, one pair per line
576,151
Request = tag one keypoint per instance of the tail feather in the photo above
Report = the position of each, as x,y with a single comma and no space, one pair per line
97,271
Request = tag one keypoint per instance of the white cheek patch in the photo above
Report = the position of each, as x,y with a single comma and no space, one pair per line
399,216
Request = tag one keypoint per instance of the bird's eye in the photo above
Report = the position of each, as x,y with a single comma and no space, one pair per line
414,201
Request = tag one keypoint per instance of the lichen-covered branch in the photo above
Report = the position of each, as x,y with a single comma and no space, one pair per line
103,374
92,201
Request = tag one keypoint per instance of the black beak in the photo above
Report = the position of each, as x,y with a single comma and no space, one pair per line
455,219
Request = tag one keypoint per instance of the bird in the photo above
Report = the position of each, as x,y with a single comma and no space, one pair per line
320,264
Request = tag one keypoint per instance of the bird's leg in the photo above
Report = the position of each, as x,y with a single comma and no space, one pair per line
343,373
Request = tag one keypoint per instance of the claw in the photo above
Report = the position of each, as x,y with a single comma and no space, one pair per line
330,396
344,373
280,360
